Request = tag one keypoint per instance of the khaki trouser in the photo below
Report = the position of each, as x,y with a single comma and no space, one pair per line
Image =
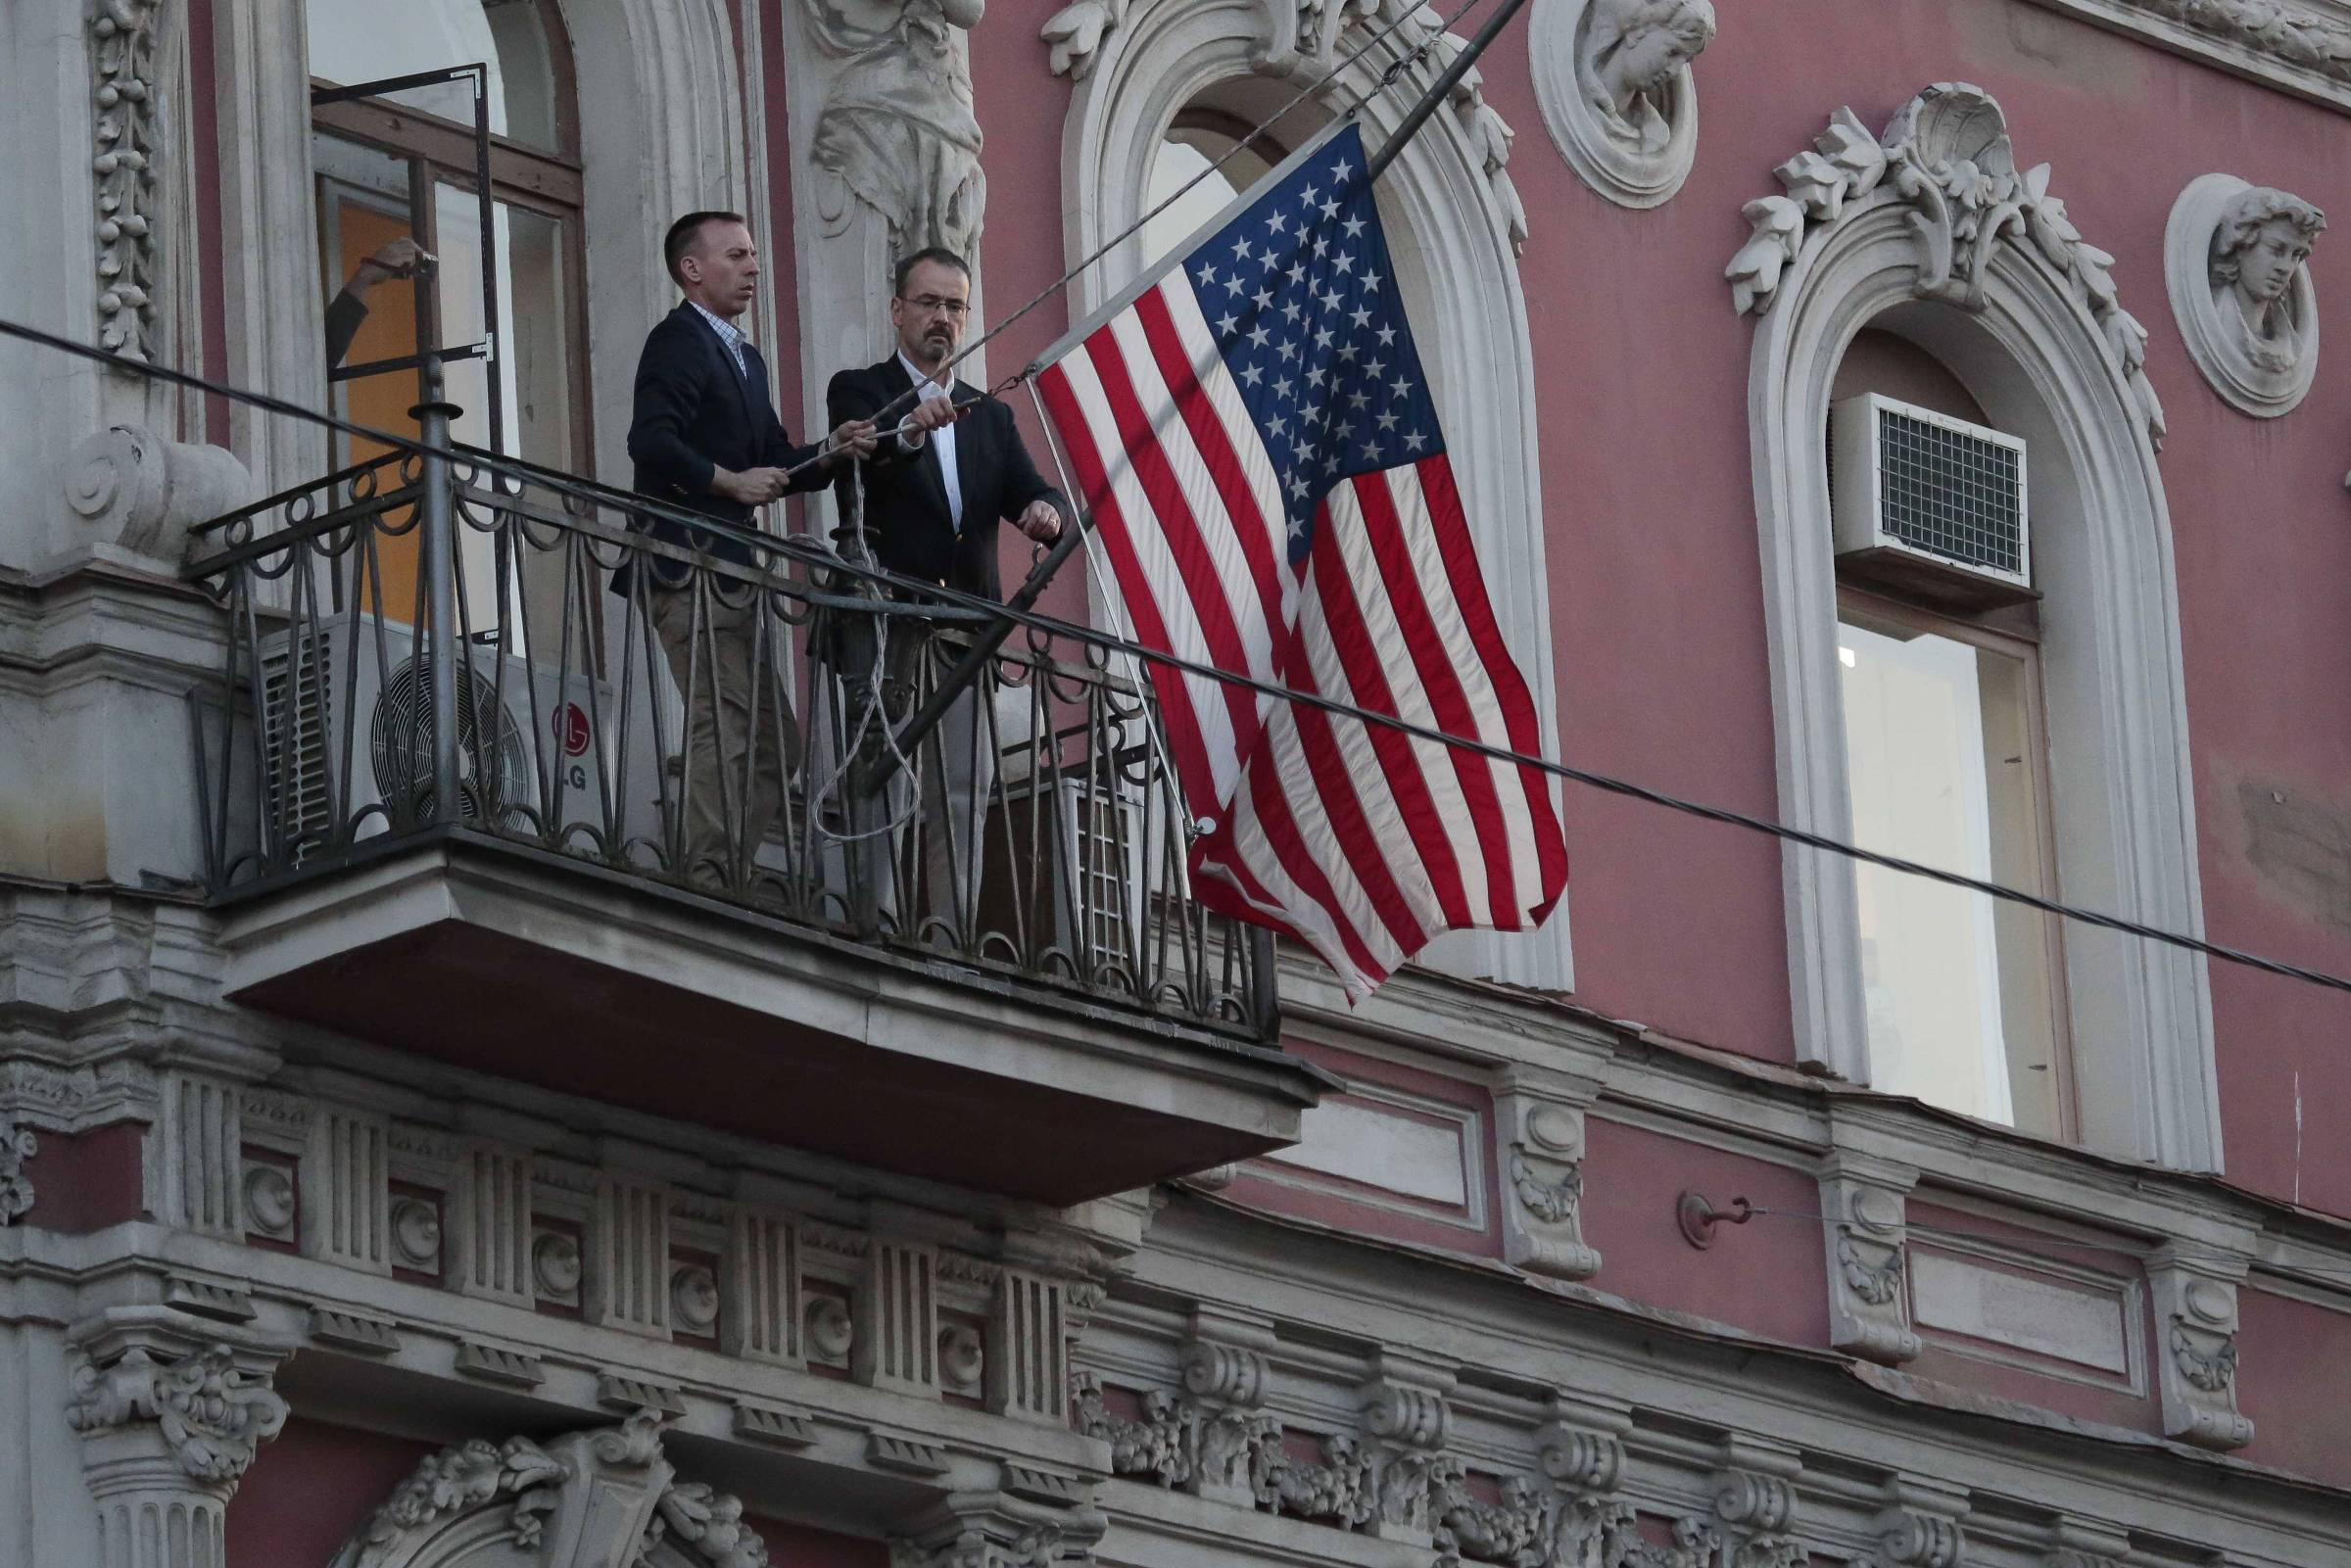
741,742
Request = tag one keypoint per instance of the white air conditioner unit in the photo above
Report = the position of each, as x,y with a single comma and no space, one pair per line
1926,502
358,692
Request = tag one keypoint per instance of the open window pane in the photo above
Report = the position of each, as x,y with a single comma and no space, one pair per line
1941,760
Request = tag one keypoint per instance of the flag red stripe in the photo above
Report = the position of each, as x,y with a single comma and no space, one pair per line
1432,845
1215,444
1182,725
1519,719
1263,782
1181,529
1364,854
1442,685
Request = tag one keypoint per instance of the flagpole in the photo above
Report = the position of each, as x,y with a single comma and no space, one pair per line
877,771
1443,89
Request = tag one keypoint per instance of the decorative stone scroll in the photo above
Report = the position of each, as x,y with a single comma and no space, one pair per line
1946,157
1540,1116
139,493
2234,261
123,89
1863,1201
1613,81
2195,1335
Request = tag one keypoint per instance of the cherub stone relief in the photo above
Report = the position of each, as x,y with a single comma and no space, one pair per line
2235,259
1614,76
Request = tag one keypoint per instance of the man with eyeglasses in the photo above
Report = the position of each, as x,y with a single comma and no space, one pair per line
935,495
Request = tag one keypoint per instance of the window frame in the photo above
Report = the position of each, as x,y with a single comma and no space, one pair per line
2030,355
2021,642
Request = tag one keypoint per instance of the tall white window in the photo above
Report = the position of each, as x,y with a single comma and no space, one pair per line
1946,761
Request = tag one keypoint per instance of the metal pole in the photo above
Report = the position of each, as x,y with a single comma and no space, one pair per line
874,773
1437,94
440,642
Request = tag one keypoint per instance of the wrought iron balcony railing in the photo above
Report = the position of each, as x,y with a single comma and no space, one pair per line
432,645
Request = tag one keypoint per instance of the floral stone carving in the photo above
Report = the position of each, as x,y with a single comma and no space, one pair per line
213,1414
1614,83
123,128
17,1144
1947,157
2234,261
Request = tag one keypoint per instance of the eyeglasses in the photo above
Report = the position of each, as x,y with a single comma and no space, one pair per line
932,305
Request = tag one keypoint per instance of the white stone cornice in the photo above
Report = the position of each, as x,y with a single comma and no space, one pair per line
2301,47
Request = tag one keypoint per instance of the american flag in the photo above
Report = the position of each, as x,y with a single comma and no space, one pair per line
1252,431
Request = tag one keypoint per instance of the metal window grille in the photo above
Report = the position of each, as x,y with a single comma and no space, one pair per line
1950,493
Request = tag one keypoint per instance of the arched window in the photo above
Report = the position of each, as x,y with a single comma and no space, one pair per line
1947,763
1168,86
1882,277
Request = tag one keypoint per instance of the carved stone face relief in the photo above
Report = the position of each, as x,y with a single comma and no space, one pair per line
1615,82
2235,259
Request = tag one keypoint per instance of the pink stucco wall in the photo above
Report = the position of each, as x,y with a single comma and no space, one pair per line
1642,370
1766,1276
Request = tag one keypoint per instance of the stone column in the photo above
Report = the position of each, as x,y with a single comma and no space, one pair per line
171,1413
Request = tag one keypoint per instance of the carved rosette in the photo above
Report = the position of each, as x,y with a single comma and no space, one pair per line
17,1144
123,89
1307,40
1869,1310
1946,158
2197,1322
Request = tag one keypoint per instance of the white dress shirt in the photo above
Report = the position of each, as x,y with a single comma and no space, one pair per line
943,438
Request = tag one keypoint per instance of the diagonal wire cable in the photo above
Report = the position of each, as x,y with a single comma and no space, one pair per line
813,553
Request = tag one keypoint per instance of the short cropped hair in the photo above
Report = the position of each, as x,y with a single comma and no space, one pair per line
928,253
681,235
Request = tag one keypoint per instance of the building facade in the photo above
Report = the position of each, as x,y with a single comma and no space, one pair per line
400,1166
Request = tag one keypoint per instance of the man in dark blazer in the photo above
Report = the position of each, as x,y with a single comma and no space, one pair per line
935,496
704,438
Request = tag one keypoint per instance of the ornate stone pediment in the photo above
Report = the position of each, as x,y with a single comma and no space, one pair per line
600,1499
1945,157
